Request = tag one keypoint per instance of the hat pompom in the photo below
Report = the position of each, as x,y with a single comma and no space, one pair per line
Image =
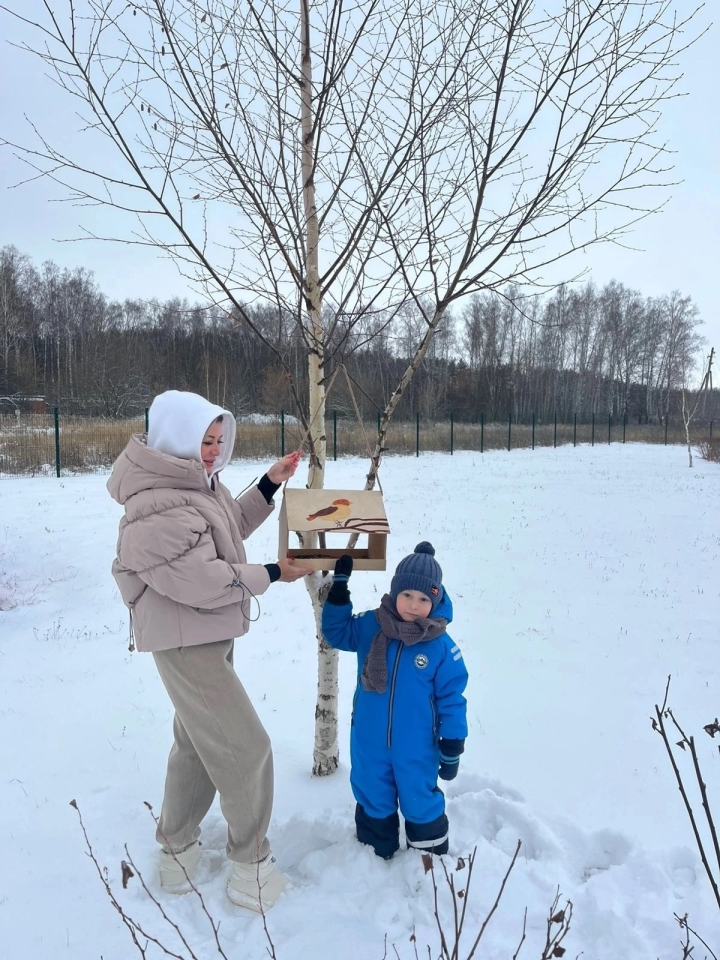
425,547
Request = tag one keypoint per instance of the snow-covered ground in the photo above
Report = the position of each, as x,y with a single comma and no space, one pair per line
581,578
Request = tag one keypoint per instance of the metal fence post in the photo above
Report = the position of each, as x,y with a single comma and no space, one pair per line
282,433
592,436
555,431
417,434
509,429
711,423
378,430
482,432
609,426
452,433
533,433
57,441
147,419
575,430
334,434
666,427
624,425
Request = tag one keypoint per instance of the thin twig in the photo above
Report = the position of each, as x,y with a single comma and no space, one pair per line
558,925
497,901
659,725
429,868
522,938
701,785
683,923
686,948
161,909
215,927
133,927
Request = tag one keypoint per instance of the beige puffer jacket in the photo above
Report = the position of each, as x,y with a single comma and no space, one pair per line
181,565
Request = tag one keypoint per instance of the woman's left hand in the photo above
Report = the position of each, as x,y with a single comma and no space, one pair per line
285,467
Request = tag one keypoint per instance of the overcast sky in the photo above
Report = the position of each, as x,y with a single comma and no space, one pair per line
676,249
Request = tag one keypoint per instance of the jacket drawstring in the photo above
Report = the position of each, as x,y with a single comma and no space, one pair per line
131,635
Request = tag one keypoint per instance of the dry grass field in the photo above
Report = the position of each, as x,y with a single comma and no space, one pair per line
87,444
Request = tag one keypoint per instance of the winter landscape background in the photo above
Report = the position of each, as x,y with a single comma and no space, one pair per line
581,579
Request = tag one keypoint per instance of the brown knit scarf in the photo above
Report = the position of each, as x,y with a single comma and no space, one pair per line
392,627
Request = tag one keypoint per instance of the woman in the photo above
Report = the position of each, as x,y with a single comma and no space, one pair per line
182,571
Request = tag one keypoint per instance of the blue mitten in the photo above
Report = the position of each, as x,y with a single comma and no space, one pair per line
339,593
450,751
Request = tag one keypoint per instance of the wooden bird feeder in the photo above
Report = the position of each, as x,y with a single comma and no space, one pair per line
335,512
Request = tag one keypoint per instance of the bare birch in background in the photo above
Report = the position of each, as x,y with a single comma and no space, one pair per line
348,160
689,409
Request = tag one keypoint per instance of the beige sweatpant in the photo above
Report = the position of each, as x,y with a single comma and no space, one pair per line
220,744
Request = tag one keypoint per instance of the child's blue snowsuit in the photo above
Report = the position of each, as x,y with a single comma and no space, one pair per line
394,735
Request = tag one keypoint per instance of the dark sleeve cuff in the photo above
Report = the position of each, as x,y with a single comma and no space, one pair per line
339,594
273,570
267,488
451,748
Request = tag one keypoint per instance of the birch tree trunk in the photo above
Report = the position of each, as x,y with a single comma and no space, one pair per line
325,749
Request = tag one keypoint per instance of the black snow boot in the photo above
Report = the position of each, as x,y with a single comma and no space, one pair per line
428,837
382,834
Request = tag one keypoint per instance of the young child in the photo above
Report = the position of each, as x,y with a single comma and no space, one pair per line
409,713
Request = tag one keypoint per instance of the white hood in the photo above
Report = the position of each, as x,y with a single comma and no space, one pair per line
177,422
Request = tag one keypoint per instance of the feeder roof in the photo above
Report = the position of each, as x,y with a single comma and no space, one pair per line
328,510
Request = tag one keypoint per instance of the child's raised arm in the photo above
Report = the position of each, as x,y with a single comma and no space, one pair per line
339,626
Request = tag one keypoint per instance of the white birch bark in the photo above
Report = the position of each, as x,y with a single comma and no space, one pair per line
325,749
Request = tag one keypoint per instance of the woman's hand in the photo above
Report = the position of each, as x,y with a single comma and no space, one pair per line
289,572
285,467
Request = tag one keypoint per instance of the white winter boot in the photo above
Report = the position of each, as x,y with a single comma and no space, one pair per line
256,886
176,869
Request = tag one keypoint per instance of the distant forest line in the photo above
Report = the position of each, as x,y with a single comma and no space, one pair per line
580,351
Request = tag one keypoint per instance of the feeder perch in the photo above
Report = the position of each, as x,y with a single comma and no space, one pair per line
336,513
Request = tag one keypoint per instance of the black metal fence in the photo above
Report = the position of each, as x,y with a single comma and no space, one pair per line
55,444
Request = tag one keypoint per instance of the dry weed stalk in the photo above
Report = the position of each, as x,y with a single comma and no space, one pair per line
129,869
215,926
686,946
271,945
686,743
558,923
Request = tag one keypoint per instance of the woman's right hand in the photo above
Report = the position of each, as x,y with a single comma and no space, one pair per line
289,572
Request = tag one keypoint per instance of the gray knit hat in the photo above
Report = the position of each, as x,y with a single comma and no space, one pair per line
420,571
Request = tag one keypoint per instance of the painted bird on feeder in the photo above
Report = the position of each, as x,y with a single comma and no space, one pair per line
338,511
